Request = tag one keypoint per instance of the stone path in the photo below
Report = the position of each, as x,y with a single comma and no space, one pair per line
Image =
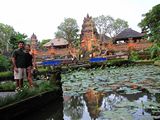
4,94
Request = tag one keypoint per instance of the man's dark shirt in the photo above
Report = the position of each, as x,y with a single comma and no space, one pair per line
20,59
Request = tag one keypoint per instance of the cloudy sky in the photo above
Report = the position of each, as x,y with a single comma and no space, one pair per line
43,16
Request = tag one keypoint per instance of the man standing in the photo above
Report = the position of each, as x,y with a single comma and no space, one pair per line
19,64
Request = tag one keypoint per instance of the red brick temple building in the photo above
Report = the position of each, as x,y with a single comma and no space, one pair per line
129,39
126,40
34,43
57,46
93,43
89,34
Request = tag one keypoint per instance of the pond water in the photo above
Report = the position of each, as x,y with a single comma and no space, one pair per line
122,93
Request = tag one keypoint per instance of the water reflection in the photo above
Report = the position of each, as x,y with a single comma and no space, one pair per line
111,100
94,105
73,107
93,101
52,111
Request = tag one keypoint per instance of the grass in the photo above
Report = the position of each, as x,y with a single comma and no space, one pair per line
26,92
6,74
9,85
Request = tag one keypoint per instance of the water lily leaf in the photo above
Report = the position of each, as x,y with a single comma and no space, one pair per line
119,114
126,104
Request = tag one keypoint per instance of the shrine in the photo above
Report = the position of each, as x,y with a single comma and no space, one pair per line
89,34
34,42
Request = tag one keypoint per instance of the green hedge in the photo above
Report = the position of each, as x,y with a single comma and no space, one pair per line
5,63
118,62
8,75
9,85
27,92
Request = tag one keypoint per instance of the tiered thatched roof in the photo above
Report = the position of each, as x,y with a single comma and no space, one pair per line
128,33
56,42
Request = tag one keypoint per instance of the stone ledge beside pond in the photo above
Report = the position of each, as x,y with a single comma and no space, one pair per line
144,62
157,63
18,109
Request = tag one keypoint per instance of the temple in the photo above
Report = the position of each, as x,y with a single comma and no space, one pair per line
57,46
125,41
34,42
93,44
89,34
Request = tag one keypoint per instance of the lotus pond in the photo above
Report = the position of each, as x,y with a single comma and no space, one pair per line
115,93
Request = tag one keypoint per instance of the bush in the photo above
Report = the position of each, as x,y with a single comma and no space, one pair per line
118,62
7,86
26,92
6,76
134,56
5,63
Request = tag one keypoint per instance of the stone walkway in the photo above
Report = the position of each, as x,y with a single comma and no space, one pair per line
4,94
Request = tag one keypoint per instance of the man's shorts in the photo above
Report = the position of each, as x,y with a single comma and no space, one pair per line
21,74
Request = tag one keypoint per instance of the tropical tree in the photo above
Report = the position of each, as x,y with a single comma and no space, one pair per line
6,32
150,24
109,26
4,63
44,41
15,38
104,24
68,30
155,50
118,26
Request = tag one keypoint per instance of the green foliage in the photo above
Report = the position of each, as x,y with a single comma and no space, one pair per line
6,74
44,41
119,25
9,37
117,62
9,85
27,92
155,50
104,24
134,56
15,38
68,30
108,25
4,63
76,43
6,32
151,23
42,70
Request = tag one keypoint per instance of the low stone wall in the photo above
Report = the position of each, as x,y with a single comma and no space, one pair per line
28,105
144,62
157,63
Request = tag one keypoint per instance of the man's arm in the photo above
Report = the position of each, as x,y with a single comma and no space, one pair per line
14,61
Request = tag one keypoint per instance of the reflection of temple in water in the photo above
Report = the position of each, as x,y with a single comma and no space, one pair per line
93,101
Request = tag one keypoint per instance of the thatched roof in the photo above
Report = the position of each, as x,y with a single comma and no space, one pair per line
56,42
128,33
